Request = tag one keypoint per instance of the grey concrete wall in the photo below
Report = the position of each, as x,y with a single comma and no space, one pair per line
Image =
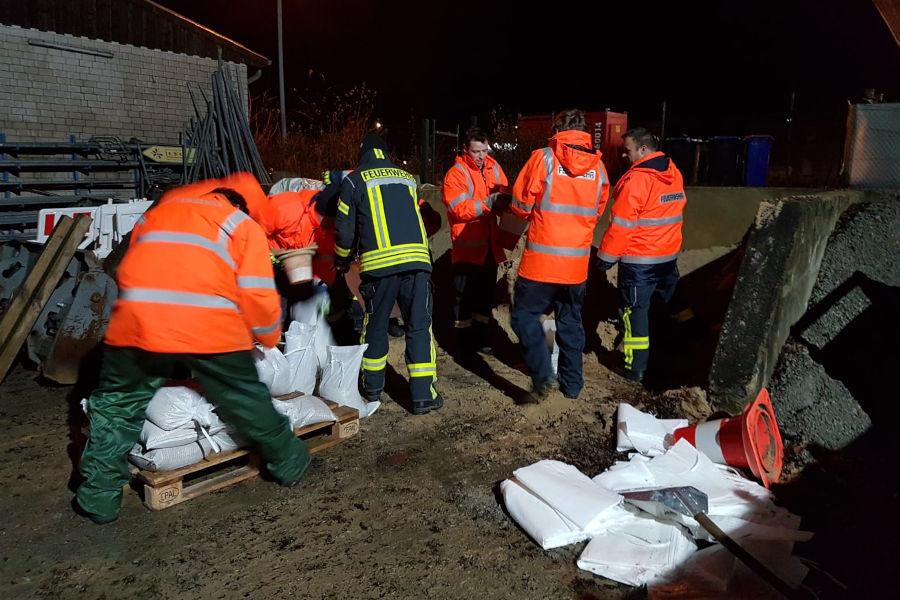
46,94
784,252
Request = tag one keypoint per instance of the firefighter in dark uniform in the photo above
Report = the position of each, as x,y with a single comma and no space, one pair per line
379,220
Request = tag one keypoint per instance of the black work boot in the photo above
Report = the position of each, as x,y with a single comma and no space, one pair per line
421,407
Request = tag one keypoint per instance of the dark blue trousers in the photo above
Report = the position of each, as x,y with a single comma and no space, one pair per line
532,299
639,287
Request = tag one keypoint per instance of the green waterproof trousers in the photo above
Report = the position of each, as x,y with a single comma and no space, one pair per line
128,379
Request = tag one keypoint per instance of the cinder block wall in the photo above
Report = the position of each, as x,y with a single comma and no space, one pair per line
46,94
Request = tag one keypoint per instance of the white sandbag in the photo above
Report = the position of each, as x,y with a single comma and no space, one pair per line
549,326
167,459
295,184
153,437
341,376
636,550
636,430
305,410
569,492
313,311
546,526
300,352
273,370
173,407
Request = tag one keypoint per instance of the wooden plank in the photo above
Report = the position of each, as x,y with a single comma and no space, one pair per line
29,301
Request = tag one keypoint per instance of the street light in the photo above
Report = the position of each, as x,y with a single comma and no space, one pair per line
281,74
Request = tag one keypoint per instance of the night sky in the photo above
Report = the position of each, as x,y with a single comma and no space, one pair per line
723,66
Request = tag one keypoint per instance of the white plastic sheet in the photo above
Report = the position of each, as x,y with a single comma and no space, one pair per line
303,411
300,352
569,492
340,379
273,370
173,407
636,430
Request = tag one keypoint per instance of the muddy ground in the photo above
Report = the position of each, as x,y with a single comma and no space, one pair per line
406,509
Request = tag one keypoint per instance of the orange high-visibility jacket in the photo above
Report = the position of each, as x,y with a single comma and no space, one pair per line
196,279
473,227
561,190
646,219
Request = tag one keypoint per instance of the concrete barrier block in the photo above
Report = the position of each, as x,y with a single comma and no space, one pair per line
784,251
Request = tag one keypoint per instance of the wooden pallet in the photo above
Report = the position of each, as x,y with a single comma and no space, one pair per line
163,489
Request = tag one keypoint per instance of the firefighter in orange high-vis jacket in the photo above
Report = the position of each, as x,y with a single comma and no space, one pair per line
473,194
562,191
196,289
644,238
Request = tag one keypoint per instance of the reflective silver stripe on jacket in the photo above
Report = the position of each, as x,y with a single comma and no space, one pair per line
646,222
557,250
647,260
470,187
230,224
548,205
189,239
265,283
158,296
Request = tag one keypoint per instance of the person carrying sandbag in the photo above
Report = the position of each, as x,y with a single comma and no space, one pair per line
196,287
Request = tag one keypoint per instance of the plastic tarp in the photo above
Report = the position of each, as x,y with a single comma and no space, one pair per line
642,432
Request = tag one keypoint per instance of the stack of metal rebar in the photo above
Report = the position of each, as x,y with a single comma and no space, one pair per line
218,140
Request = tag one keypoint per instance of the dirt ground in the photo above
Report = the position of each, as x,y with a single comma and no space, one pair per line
406,509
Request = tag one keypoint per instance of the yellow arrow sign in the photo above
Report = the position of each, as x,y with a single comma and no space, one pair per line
167,154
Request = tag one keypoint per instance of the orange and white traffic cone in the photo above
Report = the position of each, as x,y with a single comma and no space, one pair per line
751,441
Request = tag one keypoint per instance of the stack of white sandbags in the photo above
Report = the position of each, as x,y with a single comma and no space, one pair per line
181,429
312,357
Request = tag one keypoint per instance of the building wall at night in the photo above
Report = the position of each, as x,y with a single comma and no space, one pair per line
55,85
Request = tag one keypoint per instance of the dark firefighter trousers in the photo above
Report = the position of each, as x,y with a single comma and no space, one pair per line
411,290
474,288
128,379
640,286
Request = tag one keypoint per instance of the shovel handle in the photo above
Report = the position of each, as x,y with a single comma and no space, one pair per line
748,559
